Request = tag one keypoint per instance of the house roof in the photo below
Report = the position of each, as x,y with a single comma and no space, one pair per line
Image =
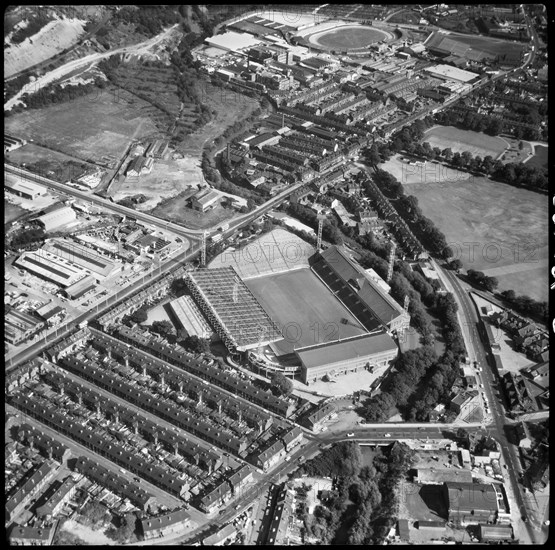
161,522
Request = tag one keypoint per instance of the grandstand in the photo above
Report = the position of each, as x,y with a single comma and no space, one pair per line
358,292
231,308
274,252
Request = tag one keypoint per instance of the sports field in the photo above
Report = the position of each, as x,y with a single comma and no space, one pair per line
349,37
492,227
493,46
476,143
304,309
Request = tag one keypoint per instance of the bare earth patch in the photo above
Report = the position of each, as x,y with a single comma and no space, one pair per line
50,40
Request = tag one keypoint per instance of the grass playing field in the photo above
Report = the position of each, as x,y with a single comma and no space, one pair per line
476,143
349,37
507,224
303,308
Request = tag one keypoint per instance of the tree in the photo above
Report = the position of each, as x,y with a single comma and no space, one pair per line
281,385
447,154
164,328
455,265
196,344
139,316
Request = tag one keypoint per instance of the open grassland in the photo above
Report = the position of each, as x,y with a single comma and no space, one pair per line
97,127
12,212
459,141
540,158
229,107
507,224
48,163
303,308
493,46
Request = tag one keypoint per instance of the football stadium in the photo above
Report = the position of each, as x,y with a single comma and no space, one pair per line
313,313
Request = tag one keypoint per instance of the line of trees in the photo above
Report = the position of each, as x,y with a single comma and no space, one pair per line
526,306
480,279
407,206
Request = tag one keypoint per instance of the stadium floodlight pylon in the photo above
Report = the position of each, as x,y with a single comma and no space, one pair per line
203,250
321,219
391,261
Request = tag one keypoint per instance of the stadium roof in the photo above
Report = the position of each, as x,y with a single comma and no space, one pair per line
381,304
343,350
234,308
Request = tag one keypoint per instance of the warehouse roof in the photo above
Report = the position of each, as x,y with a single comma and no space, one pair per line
471,496
343,350
62,216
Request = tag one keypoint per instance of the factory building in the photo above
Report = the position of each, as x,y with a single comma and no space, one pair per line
24,189
58,218
51,267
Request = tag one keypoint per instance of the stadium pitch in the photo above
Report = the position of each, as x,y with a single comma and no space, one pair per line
304,308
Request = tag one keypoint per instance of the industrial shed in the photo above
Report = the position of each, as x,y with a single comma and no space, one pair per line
57,218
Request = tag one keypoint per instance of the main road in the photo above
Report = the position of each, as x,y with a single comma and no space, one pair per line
111,300
500,426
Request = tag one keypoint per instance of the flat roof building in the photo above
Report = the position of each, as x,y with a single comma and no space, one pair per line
25,189
51,267
451,73
470,503
80,255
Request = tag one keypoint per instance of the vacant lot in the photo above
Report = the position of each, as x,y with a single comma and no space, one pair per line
304,308
168,178
97,127
55,36
176,210
492,227
459,141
